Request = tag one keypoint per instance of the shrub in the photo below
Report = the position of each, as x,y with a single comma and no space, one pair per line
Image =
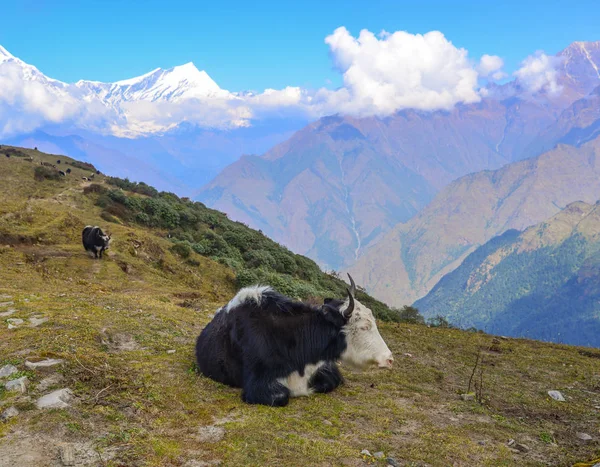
182,249
42,173
95,188
439,322
410,314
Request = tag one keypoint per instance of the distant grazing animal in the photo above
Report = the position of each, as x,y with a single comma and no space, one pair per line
94,240
97,172
91,177
68,171
275,348
60,172
28,159
7,155
84,178
58,161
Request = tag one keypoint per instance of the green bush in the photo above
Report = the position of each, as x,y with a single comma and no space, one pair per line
410,314
182,249
42,173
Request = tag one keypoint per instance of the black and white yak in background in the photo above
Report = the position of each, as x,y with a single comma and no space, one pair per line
94,240
275,348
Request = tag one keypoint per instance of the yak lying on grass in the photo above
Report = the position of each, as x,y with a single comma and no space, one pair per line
276,348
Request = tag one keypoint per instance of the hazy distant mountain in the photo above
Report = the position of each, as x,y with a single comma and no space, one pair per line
404,265
543,283
178,157
338,184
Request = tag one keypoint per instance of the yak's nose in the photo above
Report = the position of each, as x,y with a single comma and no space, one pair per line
387,362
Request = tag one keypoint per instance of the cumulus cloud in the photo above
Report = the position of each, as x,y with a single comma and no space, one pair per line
490,66
400,70
381,75
539,72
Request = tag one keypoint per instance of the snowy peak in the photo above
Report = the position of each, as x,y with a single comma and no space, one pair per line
581,64
170,85
5,54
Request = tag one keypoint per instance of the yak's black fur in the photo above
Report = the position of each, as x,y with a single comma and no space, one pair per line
253,345
94,240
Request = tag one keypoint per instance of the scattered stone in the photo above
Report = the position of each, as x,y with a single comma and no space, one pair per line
5,297
522,447
7,370
504,338
365,452
557,396
468,397
481,443
211,434
511,442
327,422
35,322
379,455
393,462
59,399
9,312
172,351
583,436
44,363
406,354
9,413
67,454
19,385
14,322
47,383
3,304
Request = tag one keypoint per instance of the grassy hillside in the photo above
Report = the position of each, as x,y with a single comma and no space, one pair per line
542,283
124,328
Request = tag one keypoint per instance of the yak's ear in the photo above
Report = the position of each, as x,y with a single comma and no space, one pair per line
333,315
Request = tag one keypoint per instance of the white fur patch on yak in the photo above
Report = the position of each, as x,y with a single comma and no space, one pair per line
298,385
248,294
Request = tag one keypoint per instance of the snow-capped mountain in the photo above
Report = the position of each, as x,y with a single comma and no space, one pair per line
131,107
171,85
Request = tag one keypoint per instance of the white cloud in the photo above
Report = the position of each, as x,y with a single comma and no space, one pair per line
539,72
400,70
490,66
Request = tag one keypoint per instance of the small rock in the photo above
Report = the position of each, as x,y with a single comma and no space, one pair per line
44,363
9,312
468,397
327,422
14,322
5,297
481,443
393,462
583,436
55,400
172,351
409,355
9,413
379,455
211,434
7,370
67,454
46,383
35,322
522,447
510,442
3,304
19,385
557,396
365,452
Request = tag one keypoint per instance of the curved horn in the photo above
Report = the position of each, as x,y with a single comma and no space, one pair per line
352,286
348,311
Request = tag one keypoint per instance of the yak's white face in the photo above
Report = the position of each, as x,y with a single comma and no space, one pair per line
365,345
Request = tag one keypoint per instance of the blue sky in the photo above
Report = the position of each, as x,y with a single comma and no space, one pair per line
256,45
